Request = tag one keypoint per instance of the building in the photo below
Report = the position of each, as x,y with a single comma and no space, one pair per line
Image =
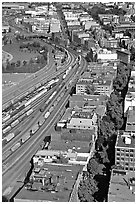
122,186
82,120
100,86
5,28
92,100
123,55
130,124
125,151
104,55
55,26
54,175
13,6
109,43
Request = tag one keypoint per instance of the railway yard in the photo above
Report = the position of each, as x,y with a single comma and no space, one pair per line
27,117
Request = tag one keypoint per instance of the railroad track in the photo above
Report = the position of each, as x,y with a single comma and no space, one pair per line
39,76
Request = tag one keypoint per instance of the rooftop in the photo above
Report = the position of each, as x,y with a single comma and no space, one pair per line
119,190
84,114
58,191
64,145
124,51
88,97
121,140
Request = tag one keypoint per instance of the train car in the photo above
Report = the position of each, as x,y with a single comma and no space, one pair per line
29,112
3,125
43,107
51,109
9,137
62,94
55,103
7,117
37,85
4,142
52,95
16,122
27,108
41,121
58,99
46,115
35,97
40,89
25,137
15,147
6,154
35,128
22,117
7,129
64,76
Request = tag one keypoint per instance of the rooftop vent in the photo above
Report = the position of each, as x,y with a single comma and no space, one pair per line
128,140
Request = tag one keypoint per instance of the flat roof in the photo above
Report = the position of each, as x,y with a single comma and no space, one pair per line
88,97
78,146
121,142
67,177
83,114
119,190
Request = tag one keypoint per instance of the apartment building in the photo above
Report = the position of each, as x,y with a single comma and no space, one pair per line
100,86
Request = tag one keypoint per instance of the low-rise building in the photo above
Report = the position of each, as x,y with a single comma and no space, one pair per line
123,55
92,100
122,186
130,125
104,55
82,120
100,86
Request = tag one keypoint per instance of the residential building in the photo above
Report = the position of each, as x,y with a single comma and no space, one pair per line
83,100
101,86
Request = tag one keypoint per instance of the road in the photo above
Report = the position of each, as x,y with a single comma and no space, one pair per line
23,158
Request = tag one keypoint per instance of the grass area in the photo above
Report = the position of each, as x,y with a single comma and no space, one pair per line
17,54
9,80
23,55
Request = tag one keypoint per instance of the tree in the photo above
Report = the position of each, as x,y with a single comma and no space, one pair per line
86,190
90,89
18,63
89,56
132,50
3,68
24,62
93,167
102,155
38,59
31,61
